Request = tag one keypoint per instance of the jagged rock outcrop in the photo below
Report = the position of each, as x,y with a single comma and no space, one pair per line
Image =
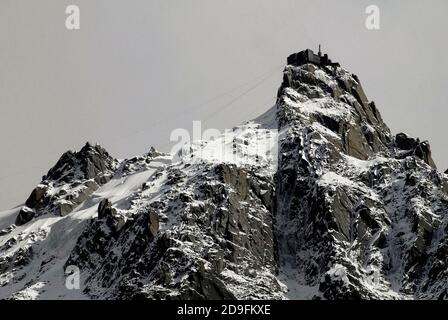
407,146
360,214
339,208
223,229
69,183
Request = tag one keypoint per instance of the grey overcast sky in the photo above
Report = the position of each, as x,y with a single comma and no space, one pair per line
138,69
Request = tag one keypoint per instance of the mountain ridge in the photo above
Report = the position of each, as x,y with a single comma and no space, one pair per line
337,208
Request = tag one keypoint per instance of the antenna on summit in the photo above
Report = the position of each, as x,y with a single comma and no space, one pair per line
320,52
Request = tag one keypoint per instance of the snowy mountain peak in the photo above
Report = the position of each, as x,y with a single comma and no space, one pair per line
91,162
69,182
362,213
313,199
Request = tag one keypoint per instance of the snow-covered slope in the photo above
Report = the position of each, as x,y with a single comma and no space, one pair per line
35,254
313,199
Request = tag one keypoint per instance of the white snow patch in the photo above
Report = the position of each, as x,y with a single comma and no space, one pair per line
247,145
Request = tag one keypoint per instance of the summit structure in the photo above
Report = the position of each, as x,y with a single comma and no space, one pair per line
308,56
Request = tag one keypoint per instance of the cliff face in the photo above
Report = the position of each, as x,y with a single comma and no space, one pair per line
360,213
337,208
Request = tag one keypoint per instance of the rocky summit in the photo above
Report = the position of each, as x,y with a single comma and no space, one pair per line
338,208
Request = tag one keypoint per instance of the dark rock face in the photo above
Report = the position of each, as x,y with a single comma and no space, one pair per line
152,224
408,146
36,196
403,142
92,162
105,209
25,215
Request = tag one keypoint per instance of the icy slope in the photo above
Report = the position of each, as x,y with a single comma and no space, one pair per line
35,254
